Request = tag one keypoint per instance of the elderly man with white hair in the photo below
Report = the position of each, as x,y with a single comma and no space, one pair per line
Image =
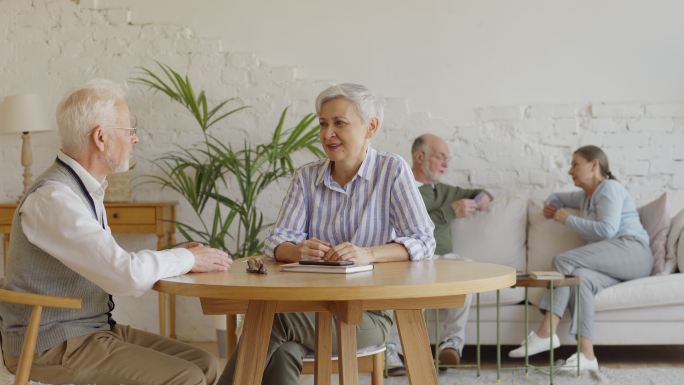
61,245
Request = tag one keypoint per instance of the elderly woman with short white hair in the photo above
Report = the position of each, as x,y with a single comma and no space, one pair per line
358,205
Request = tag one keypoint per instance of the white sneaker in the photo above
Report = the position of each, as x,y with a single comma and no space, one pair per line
535,344
584,363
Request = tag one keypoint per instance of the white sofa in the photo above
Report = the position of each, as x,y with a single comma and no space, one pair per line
646,311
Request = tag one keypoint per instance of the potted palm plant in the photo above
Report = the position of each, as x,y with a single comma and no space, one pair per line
202,172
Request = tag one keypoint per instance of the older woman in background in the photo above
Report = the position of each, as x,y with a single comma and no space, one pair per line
617,250
358,205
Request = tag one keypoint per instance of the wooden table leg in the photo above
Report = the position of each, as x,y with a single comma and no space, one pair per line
162,314
416,346
348,316
251,358
172,316
323,362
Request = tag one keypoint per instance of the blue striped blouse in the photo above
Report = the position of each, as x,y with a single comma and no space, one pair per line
380,205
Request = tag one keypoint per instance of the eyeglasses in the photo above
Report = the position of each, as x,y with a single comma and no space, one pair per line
132,131
439,156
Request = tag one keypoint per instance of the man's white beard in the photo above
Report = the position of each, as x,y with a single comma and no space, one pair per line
429,174
116,168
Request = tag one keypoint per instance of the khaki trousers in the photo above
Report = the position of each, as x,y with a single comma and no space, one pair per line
123,355
294,335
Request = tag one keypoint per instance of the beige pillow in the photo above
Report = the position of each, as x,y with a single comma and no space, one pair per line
495,236
655,220
680,254
547,238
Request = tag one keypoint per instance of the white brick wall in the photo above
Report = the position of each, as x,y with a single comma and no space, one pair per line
50,46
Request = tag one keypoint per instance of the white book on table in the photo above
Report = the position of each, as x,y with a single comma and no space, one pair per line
296,267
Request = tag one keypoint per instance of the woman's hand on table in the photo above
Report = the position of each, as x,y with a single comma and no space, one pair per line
313,249
349,252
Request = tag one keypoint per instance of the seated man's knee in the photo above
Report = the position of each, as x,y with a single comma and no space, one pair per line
192,375
209,365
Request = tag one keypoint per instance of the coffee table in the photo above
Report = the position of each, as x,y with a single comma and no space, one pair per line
526,281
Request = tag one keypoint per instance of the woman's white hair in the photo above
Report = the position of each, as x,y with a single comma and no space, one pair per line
85,107
365,103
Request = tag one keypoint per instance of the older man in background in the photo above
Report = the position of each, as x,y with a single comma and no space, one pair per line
444,202
61,245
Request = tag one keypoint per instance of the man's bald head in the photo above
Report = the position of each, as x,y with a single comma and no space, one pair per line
430,155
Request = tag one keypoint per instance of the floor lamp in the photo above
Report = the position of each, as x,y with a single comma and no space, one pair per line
23,114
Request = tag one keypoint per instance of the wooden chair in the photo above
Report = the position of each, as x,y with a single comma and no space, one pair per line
38,302
370,360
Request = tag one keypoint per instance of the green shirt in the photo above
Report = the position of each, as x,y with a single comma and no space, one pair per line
438,201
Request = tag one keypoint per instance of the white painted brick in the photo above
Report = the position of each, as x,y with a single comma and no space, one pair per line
615,110
90,4
243,60
500,113
636,167
665,110
150,32
651,125
626,139
666,166
193,46
554,111
117,16
668,139
606,125
568,139
677,181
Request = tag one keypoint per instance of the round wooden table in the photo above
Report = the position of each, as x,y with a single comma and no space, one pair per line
405,287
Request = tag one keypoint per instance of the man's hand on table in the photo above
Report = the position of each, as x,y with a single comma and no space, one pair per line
208,259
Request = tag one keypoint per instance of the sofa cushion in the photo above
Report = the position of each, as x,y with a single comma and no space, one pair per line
643,292
655,220
675,244
495,236
680,253
547,238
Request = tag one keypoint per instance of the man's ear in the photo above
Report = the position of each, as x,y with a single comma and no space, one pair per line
419,157
97,138
373,125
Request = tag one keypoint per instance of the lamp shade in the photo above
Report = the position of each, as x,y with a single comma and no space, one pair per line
23,113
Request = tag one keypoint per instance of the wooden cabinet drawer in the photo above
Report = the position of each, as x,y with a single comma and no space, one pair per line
130,216
6,214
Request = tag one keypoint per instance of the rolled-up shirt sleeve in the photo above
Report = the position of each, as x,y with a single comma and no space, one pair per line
408,215
571,200
291,223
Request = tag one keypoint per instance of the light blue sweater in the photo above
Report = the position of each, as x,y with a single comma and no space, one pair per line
609,213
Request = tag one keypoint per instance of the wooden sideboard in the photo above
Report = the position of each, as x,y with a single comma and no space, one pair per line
124,217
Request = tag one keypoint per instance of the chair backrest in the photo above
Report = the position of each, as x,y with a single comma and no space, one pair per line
38,301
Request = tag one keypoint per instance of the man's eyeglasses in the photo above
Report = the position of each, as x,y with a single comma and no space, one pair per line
132,131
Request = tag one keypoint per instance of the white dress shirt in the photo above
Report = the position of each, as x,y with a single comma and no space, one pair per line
55,219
